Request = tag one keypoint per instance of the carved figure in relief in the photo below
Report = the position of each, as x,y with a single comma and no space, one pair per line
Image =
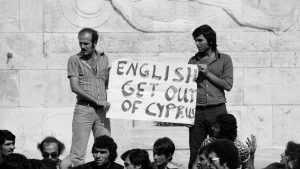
249,16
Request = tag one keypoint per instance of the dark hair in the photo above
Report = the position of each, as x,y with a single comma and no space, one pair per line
138,157
228,126
15,161
6,135
226,151
50,139
203,150
91,31
107,142
208,33
293,152
164,146
42,164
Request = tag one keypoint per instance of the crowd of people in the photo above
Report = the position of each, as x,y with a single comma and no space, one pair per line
219,153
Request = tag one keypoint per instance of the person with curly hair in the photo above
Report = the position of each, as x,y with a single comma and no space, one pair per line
223,154
225,127
104,152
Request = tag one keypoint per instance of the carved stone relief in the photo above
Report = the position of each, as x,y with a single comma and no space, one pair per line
86,13
93,13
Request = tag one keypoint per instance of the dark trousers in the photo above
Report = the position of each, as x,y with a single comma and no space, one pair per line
204,119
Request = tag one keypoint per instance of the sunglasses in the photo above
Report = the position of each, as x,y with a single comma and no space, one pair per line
47,155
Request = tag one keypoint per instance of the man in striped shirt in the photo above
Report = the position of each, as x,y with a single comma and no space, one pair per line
88,73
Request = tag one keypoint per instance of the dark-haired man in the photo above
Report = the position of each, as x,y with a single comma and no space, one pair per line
51,148
214,77
7,142
88,74
105,153
163,150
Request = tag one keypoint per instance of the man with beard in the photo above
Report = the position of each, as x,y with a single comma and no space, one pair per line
214,77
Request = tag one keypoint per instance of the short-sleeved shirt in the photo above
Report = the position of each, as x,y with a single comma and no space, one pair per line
93,80
208,93
243,150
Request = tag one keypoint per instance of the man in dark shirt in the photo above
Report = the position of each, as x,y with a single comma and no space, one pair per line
105,153
7,143
215,75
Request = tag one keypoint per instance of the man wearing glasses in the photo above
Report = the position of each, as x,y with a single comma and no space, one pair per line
51,148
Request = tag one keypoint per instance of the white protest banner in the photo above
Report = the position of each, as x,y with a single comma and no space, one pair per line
152,91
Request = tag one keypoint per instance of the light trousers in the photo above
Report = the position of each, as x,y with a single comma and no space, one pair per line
85,120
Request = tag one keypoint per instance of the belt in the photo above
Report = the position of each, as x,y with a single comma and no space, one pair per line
210,106
86,103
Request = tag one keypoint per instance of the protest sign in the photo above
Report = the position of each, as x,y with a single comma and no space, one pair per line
152,91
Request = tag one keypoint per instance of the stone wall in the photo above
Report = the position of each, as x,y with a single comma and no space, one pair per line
36,100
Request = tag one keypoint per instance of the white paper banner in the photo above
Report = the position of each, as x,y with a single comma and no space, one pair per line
152,91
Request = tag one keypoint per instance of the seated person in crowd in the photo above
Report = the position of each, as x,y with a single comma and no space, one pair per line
104,152
223,154
225,127
43,164
290,158
136,159
15,161
7,142
201,161
163,150
51,148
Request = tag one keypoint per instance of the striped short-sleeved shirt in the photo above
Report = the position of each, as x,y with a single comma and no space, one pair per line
93,80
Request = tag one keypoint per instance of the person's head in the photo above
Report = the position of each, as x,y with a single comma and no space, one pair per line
223,154
51,148
104,150
15,161
136,159
7,142
163,150
291,156
42,164
205,38
225,126
201,160
88,39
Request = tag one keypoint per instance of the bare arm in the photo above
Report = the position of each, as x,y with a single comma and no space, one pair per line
252,148
77,90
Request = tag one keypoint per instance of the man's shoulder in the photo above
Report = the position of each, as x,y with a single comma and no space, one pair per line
224,55
192,59
115,165
74,57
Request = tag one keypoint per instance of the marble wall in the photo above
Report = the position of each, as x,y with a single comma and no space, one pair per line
38,36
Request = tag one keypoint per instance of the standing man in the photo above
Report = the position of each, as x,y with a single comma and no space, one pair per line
88,74
215,75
